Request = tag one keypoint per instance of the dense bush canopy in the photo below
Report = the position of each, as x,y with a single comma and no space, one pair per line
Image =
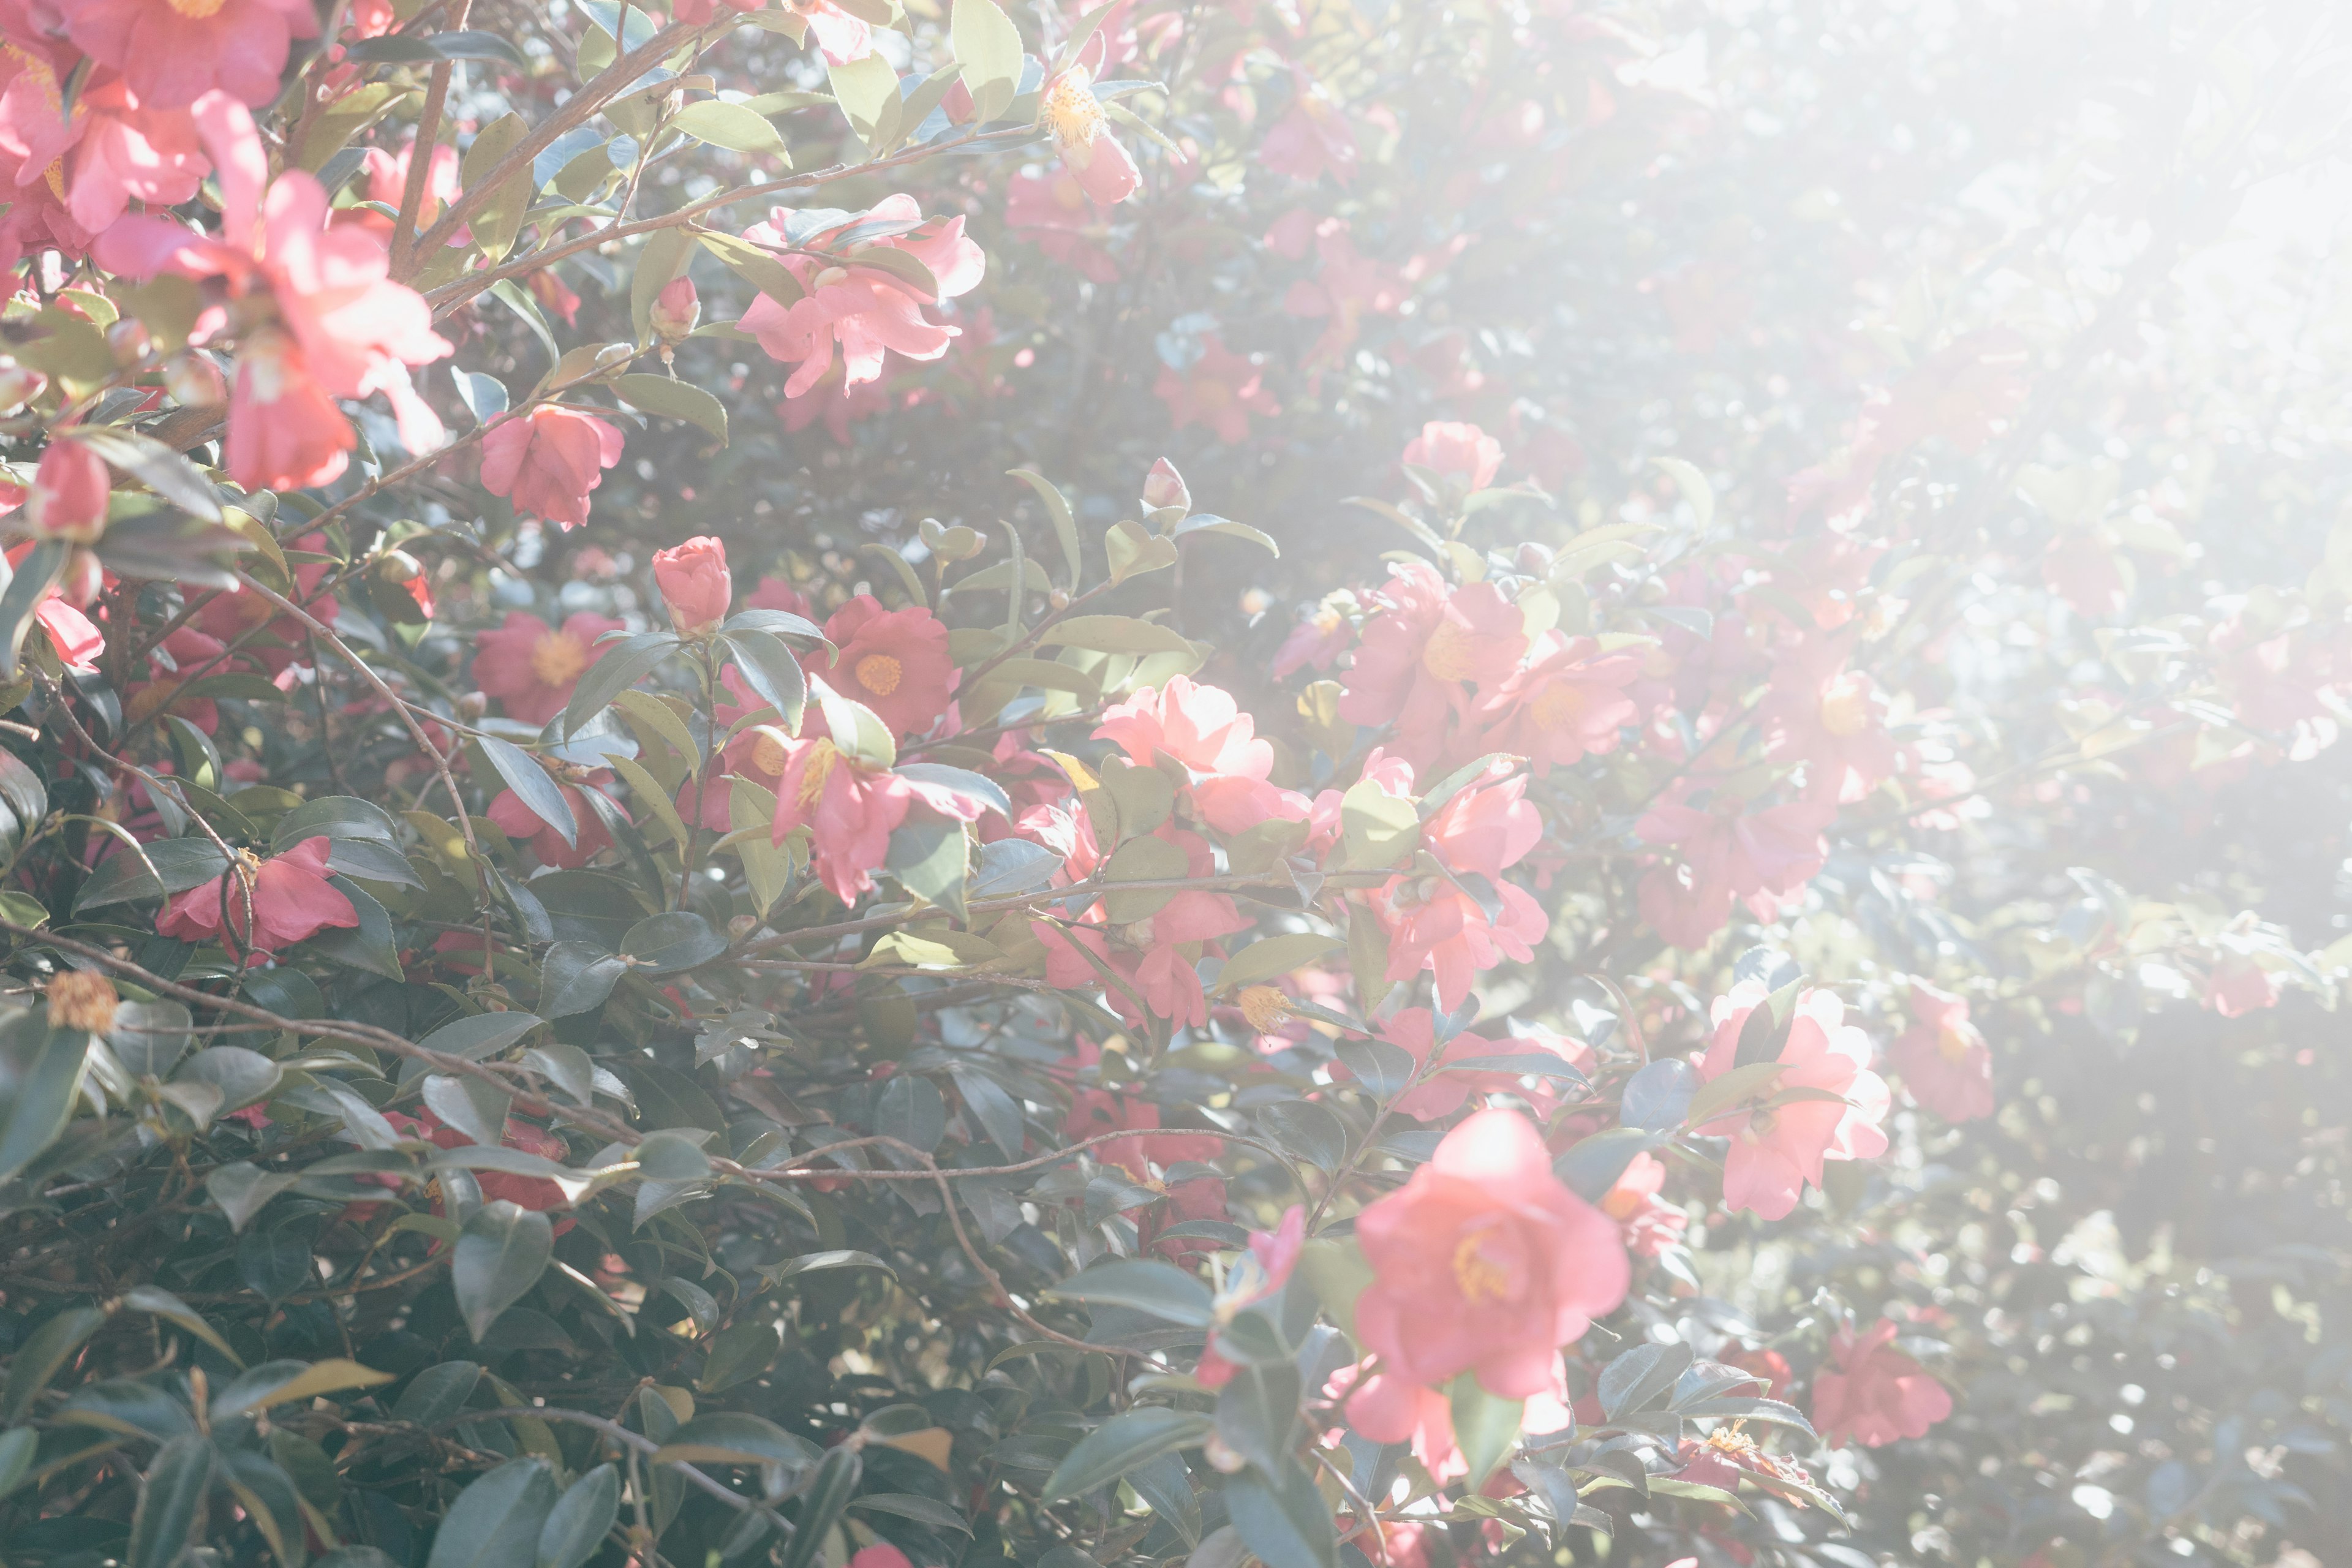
923,783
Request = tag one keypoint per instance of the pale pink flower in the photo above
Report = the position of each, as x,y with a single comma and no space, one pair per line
864,309
1428,657
173,54
1763,858
1568,703
1873,1393
1219,389
1942,1059
1204,729
548,460
1779,1139
1457,451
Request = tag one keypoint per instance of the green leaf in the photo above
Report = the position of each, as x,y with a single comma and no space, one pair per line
1132,553
575,977
39,1068
988,45
1281,1518
242,1190
932,860
909,1505
1719,1095
737,1353
1209,522
288,1381
669,943
731,1437
732,126
1115,634
620,666
369,945
1381,828
771,672
677,399
1273,957
171,1503
577,1524
497,222
828,1493
481,1036
154,870
1144,859
857,729
661,263
437,1392
28,585
1485,1427
668,1155
42,1354
867,92
499,1256
532,786
1147,1285
424,49
475,1107
161,468
159,1302
495,1522
1257,1411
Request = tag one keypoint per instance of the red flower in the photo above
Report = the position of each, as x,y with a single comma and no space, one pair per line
895,662
1872,1392
174,53
696,587
520,823
1778,1146
1219,389
1264,1269
532,667
291,901
548,462
1420,649
1483,1262
1457,451
1942,1059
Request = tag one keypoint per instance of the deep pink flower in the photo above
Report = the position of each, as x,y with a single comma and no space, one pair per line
1219,389
2238,984
1872,1393
1569,703
864,309
291,897
1651,1224
87,168
531,668
1101,164
895,662
1456,451
1202,728
548,460
174,53
1095,1111
881,1554
1418,652
1482,1262
1765,858
1779,1144
1944,1061
70,493
695,584
522,824
850,811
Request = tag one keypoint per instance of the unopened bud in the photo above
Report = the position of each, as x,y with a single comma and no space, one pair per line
19,384
194,381
1058,598
1222,1457
126,339
676,309
83,579
1164,488
82,1001
472,705
68,498
1535,559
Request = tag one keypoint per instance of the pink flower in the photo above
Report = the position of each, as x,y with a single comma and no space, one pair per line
1944,1061
69,492
696,587
171,55
1202,728
1095,1111
1779,1139
1441,1094
520,823
1053,212
548,460
1651,1224
1100,163
1872,1393
1348,285
1482,1262
1570,702
1456,451
842,37
347,329
1263,1271
1312,138
532,667
676,309
2238,984
850,811
1832,719
76,637
895,662
291,901
1220,389
1318,640
1419,651
1764,858
864,309
881,1554
86,169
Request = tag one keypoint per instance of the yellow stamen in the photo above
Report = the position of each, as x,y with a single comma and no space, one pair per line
879,673
1953,1042
196,10
1266,1007
1845,708
1448,654
1559,705
1071,112
813,775
79,1000
556,659
1482,1278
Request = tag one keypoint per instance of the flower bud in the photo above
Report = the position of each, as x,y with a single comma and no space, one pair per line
19,385
676,311
69,492
127,342
694,585
83,579
472,705
1164,488
194,381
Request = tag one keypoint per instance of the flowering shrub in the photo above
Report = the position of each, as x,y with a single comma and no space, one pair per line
914,785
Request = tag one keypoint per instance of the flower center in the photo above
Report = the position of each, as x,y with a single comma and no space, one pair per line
1072,112
1266,1007
1559,705
1953,1043
78,1000
1622,1203
556,659
1448,654
766,754
1212,394
1845,707
1481,1278
879,673
196,10
818,769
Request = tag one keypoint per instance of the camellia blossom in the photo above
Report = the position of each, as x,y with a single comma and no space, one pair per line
524,1192
1873,1393
1778,1146
1261,1272
1942,1059
1439,923
1832,719
696,587
1052,211
1569,703
291,901
1417,654
176,53
851,810
531,668
1312,138
1457,451
524,825
1204,729
1651,1224
1763,858
548,460
1101,164
319,314
865,309
1219,389
895,662
75,170
1483,1262
840,35
69,492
